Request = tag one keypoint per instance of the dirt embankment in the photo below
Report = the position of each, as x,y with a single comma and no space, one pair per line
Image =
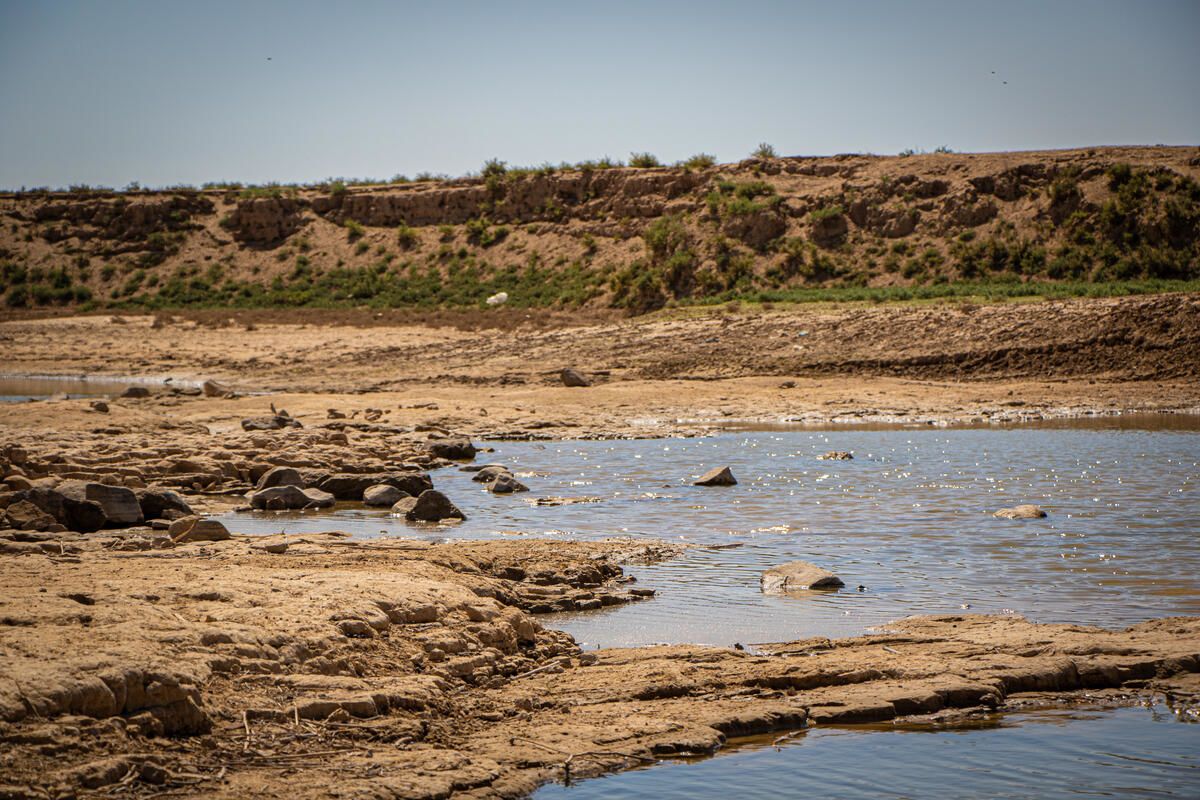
133,666
632,238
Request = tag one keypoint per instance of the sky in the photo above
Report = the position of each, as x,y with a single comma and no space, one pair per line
167,92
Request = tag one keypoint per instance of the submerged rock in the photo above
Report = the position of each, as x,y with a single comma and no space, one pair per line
798,576
1020,512
136,392
718,476
836,455
285,498
505,483
430,506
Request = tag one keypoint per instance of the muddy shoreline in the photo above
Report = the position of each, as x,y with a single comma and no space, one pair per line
135,664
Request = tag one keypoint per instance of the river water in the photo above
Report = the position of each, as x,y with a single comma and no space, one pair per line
909,520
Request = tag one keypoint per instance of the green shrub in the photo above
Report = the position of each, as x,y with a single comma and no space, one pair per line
764,150
699,161
354,230
406,237
644,160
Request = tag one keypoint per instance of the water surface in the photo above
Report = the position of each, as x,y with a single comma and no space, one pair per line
909,519
1129,752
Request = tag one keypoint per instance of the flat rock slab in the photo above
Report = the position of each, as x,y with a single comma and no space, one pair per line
719,476
1020,512
798,576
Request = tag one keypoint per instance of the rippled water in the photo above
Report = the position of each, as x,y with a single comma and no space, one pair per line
1130,752
909,519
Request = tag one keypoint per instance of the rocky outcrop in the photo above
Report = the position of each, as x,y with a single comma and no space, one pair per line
265,220
120,218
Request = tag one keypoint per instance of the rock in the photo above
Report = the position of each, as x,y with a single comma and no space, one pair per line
197,529
382,494
506,484
274,548
214,389
836,455
498,299
458,449
1020,512
99,406
718,476
286,498
279,476
136,392
25,516
352,486
119,504
80,515
430,506
571,377
162,504
274,422
489,473
18,483
798,575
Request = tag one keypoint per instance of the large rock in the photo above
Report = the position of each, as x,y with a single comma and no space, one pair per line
351,486
718,476
1020,512
381,494
289,498
430,506
83,516
25,516
198,529
162,504
457,449
119,505
798,576
571,377
135,392
279,476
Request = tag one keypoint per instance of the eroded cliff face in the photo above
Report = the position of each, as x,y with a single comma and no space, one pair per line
639,236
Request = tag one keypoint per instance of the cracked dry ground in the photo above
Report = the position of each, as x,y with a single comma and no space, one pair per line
407,669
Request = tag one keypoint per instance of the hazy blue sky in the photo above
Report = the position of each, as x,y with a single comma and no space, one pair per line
164,92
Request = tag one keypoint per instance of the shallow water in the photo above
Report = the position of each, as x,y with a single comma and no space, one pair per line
18,389
909,519
1129,752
